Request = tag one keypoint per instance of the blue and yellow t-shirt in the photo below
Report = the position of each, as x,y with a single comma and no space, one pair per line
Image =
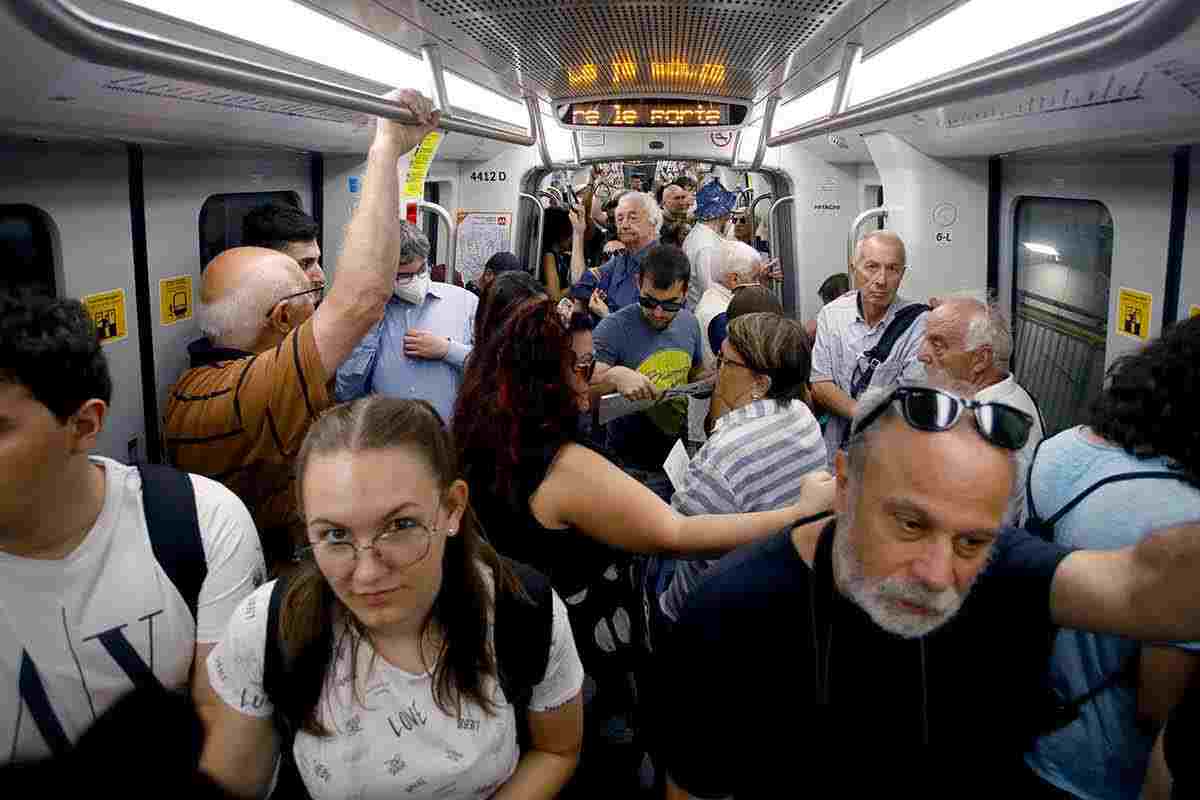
626,339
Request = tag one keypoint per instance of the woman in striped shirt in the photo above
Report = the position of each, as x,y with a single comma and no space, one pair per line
763,446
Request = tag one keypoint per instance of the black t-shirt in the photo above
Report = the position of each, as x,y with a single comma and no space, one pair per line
744,715
1180,745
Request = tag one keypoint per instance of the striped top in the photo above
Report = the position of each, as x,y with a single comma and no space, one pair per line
753,462
240,418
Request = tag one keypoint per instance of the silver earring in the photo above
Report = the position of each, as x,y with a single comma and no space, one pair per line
450,531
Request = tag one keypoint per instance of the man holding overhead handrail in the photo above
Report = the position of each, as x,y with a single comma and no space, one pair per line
265,368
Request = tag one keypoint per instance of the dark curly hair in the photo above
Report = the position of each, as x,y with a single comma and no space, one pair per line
1147,403
50,346
501,298
516,400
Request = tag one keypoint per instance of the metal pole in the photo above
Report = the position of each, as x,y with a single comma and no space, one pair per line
535,252
451,232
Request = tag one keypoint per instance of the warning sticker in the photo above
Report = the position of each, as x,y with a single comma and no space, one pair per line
419,162
174,299
1133,313
107,310
1194,311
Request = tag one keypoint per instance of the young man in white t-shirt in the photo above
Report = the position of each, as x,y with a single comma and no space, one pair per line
87,611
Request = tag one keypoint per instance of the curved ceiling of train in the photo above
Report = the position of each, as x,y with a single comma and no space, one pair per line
555,49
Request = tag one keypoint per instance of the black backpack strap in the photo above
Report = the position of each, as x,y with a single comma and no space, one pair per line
1123,476
274,668
523,634
1034,523
169,501
880,353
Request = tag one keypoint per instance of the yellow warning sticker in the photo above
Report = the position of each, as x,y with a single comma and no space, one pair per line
1133,313
174,299
1194,311
107,310
419,163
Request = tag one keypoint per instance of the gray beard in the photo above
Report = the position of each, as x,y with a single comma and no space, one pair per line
872,595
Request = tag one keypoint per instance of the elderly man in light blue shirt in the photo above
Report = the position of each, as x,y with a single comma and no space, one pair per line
420,346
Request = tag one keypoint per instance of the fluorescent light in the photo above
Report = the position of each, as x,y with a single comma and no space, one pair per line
972,32
558,140
807,107
477,99
1042,249
292,28
748,143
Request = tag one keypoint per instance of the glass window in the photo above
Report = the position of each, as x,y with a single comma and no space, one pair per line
1062,263
26,249
221,219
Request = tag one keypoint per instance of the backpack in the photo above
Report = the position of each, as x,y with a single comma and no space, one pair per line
523,634
1064,712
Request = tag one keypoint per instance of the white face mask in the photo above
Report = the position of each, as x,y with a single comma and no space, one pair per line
415,290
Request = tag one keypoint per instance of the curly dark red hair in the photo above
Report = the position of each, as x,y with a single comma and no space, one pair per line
516,404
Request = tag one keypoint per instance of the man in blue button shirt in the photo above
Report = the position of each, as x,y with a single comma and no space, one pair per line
603,290
419,347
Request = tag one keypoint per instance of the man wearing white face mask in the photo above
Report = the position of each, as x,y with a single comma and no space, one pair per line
419,348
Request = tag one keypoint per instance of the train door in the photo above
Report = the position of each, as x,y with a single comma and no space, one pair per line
195,200
65,226
1084,261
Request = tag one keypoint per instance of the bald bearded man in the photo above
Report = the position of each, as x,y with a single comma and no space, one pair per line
264,370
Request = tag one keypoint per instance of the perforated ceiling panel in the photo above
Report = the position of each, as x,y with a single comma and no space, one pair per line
576,49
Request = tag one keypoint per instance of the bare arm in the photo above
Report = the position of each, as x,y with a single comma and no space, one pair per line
1163,676
367,269
674,792
557,736
239,751
833,398
632,384
1144,592
578,493
550,277
580,226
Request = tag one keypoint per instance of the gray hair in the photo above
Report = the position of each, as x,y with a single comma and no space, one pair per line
885,236
649,205
988,325
414,244
737,258
856,447
237,318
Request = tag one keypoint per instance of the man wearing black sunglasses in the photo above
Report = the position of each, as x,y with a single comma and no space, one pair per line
913,629
644,349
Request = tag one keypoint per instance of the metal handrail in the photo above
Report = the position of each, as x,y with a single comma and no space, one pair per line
535,252
773,234
535,121
451,229
754,207
880,212
437,79
1101,43
851,58
86,36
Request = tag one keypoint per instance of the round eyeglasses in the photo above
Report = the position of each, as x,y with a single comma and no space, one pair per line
402,543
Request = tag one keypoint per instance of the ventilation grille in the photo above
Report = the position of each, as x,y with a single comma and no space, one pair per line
197,93
591,47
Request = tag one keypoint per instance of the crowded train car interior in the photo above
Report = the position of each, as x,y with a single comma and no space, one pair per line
1037,154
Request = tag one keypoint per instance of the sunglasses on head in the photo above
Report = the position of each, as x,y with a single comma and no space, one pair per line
650,303
934,410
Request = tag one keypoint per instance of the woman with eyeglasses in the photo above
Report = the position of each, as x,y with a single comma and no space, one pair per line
765,443
547,500
394,684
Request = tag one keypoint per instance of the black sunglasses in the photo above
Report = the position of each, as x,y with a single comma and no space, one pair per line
928,409
290,296
670,306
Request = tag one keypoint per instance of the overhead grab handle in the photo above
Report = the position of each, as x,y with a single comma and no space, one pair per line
76,32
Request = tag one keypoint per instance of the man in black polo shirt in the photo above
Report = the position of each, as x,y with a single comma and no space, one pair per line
911,634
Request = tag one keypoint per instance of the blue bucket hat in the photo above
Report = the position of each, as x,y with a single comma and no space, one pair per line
714,201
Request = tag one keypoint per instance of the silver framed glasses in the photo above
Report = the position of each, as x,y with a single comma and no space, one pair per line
404,541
